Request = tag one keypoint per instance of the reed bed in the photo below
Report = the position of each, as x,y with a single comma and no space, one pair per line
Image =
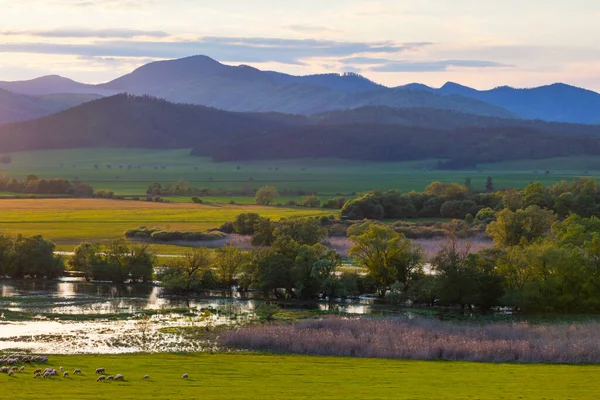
424,339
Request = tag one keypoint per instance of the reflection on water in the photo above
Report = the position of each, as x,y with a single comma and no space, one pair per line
75,296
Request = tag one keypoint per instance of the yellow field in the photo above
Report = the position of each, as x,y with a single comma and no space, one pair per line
70,221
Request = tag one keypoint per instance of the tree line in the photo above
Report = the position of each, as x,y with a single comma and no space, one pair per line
34,185
459,201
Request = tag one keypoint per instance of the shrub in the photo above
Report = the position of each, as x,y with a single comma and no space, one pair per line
311,201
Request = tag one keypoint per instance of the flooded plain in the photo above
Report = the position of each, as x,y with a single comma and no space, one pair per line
71,316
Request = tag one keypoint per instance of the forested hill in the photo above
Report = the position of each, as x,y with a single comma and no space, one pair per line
129,121
366,133
444,119
18,107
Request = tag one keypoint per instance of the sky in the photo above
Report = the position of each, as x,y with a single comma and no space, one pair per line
480,43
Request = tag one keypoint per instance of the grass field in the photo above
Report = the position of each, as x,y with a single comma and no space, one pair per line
325,176
250,376
70,221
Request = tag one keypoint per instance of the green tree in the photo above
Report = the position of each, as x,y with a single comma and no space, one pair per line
84,258
230,261
388,256
140,264
302,230
34,257
263,232
314,271
311,201
244,223
265,195
512,228
6,253
188,273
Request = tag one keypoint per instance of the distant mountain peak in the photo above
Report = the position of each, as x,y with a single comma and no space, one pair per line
454,85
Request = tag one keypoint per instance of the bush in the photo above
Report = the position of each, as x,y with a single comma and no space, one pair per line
227,227
196,200
158,235
244,223
311,201
336,204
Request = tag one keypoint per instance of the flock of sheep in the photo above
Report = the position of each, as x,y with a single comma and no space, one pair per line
50,372
10,367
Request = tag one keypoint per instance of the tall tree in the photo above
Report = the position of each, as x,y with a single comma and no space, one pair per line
265,195
387,255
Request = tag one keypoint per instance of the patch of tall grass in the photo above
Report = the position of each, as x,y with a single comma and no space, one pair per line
423,339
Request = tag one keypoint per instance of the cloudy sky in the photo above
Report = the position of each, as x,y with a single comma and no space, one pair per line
481,43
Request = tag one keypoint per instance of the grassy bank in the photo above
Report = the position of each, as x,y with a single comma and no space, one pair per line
246,376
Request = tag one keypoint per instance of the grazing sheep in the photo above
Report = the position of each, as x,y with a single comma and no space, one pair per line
38,371
146,377
110,378
185,376
100,370
47,375
101,378
61,369
65,374
22,368
11,372
77,372
4,370
119,377
37,375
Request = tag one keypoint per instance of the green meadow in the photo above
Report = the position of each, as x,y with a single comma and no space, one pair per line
70,221
257,376
117,170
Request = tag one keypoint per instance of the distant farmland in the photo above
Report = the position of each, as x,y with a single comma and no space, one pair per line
130,171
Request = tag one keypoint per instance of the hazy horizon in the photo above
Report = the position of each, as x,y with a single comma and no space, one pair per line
482,44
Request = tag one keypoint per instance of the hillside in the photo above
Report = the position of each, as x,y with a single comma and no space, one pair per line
127,121
444,119
17,107
145,122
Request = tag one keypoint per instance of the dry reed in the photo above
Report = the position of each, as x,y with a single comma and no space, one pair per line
423,339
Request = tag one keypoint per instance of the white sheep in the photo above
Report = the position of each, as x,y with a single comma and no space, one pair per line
22,368
61,369
185,376
146,377
65,374
37,375
11,372
38,371
110,378
119,377
47,375
100,370
101,378
77,372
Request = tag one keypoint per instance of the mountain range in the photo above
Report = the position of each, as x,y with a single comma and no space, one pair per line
368,133
201,80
